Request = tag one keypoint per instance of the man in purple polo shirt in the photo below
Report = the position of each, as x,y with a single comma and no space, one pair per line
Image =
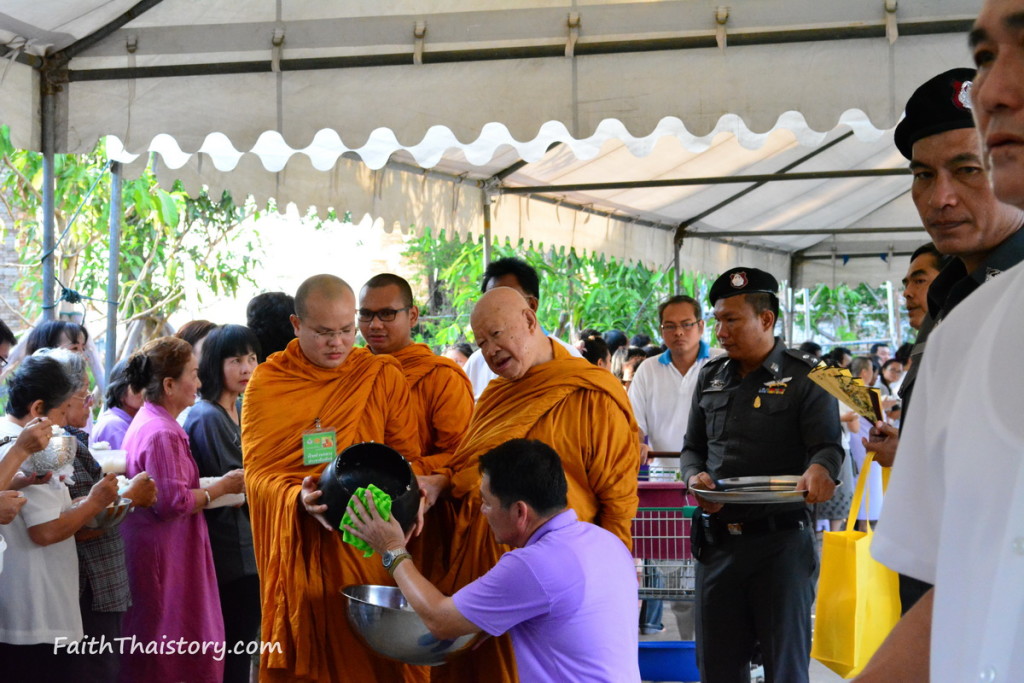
566,594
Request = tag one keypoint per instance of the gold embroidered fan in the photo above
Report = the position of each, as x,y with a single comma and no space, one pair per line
850,390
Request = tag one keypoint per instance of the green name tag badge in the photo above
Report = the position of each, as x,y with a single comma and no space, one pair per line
319,446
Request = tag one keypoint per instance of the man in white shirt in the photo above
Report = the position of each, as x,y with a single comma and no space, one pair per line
520,276
662,388
955,515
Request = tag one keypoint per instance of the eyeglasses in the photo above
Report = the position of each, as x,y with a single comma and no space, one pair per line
3,362
672,327
386,315
87,399
333,334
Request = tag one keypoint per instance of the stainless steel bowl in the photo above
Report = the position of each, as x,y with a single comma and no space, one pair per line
58,453
112,515
384,620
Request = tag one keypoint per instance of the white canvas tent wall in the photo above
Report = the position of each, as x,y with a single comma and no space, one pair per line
471,87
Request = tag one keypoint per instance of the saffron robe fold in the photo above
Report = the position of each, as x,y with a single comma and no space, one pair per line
582,412
302,566
442,404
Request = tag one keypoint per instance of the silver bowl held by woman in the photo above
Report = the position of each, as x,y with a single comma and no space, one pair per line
58,454
384,620
112,515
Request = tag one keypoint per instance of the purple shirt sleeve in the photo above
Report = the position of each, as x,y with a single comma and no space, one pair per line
165,456
506,596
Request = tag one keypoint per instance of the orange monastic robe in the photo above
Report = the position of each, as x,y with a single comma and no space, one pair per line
579,410
303,566
442,403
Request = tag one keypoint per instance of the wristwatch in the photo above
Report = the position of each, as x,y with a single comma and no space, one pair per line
392,558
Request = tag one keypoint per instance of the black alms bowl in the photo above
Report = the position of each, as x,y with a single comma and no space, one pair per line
370,463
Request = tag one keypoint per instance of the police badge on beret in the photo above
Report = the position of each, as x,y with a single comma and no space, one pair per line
742,281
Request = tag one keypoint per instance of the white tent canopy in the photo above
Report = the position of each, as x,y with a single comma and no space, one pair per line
345,104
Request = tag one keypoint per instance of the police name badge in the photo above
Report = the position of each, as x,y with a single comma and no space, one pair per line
319,445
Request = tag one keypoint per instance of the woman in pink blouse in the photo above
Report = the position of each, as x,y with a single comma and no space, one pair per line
175,612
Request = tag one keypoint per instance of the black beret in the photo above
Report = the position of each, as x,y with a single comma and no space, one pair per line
943,103
743,281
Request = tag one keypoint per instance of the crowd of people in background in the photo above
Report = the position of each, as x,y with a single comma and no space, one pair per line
174,406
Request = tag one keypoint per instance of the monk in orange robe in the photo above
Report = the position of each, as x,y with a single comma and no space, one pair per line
318,380
542,393
442,403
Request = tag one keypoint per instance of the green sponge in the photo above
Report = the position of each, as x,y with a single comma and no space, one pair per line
383,503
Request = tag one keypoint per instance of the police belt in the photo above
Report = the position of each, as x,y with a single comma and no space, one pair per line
780,521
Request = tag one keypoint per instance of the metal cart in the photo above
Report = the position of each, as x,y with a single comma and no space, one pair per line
665,569
661,531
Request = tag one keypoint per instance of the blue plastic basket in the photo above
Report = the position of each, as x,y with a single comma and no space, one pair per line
668,660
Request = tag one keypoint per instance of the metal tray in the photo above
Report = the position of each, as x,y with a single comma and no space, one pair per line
751,490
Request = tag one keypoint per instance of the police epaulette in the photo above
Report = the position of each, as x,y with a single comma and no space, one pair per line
718,359
803,356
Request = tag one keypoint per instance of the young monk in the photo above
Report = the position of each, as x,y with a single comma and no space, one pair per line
318,381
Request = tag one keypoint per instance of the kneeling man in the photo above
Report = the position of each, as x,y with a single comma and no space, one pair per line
566,594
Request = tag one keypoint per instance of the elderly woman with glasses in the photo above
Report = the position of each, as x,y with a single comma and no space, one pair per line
170,565
103,576
39,585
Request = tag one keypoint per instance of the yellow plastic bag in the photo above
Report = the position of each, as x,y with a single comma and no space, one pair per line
858,598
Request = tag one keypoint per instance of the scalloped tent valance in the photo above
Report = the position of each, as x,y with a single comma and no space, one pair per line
474,88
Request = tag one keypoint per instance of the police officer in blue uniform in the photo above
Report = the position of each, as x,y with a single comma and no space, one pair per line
755,413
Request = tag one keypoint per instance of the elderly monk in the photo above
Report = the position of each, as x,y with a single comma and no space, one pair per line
441,400
319,382
541,393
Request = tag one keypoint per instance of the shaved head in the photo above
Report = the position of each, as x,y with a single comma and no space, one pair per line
324,286
325,320
508,333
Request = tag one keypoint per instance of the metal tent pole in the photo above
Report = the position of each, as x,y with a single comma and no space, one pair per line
116,210
487,228
48,121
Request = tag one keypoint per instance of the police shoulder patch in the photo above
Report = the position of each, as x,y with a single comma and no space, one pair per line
720,358
802,356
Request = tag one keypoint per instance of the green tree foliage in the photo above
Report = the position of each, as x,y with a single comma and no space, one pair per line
170,242
577,292
843,314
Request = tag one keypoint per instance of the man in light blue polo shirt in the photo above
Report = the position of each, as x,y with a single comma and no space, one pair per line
566,594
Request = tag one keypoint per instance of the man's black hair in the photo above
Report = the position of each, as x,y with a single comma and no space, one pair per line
875,347
903,353
6,336
526,470
941,260
268,316
615,339
810,347
523,272
762,301
679,299
837,353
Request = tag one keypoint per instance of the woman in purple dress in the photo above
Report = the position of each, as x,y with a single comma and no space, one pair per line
175,616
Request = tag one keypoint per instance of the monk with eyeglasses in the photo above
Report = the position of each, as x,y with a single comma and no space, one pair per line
303,405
